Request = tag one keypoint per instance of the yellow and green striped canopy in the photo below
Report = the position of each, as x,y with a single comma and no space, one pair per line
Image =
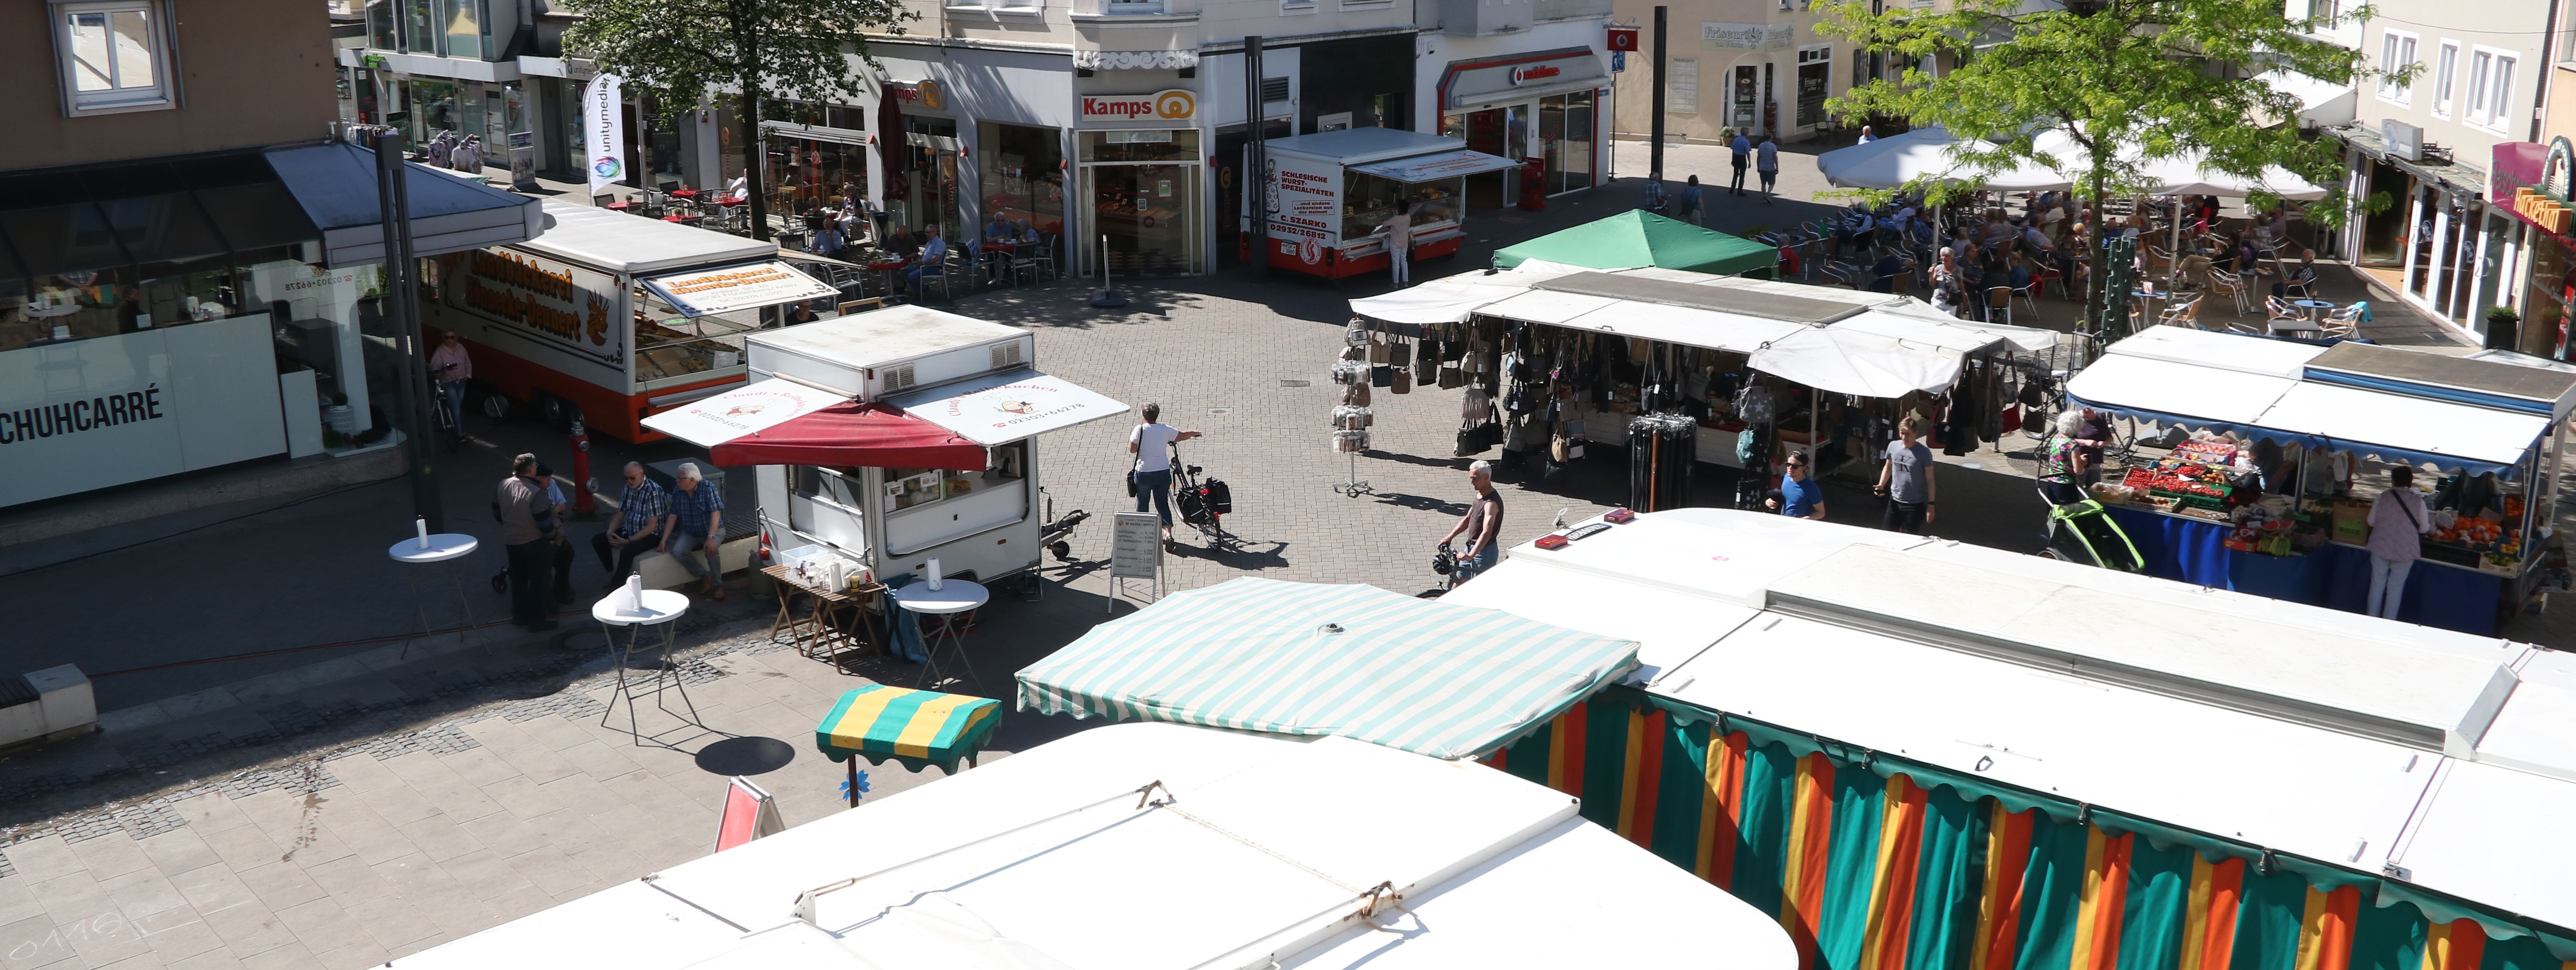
1354,661
912,727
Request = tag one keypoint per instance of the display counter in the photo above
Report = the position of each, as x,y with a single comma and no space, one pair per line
2192,549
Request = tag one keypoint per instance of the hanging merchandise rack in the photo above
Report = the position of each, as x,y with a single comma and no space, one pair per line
1350,437
1662,448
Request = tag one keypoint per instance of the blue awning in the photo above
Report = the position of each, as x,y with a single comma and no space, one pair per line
335,185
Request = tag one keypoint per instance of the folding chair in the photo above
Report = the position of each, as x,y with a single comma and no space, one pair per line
2186,313
1999,298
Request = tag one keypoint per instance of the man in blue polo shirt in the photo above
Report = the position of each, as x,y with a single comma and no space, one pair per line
1801,496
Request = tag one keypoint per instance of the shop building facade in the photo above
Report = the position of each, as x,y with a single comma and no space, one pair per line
1749,65
2425,143
189,264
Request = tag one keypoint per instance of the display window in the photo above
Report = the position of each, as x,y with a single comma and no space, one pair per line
2546,299
1369,201
1022,173
928,506
672,349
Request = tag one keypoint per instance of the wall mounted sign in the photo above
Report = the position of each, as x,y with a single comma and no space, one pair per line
1173,105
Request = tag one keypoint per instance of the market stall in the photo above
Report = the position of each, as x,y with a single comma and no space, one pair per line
1571,356
2283,451
917,729
1336,190
607,317
892,438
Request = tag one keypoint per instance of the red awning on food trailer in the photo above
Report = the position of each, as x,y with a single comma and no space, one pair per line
854,435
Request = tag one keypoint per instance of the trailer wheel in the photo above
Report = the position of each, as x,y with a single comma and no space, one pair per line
496,405
1063,550
559,413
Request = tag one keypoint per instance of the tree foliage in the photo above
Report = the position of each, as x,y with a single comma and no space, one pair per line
2127,81
688,52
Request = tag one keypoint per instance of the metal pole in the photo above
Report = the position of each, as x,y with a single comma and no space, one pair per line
1256,162
403,301
1655,109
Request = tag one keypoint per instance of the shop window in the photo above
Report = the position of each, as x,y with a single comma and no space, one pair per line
420,27
114,56
463,24
1022,174
928,506
382,26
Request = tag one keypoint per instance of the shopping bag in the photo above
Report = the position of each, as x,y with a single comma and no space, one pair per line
1403,382
1400,355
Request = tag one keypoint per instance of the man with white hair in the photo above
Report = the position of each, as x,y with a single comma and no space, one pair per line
641,510
1482,524
696,523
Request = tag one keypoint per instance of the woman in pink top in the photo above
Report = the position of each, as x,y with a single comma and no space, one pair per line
2398,522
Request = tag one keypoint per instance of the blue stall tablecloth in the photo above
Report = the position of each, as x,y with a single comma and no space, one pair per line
2337,576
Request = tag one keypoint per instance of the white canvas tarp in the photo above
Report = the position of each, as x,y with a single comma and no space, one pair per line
1852,362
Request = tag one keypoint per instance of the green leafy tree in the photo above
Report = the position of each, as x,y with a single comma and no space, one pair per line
2126,81
689,52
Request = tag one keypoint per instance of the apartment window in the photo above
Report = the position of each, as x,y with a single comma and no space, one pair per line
2396,53
2325,10
2490,97
1681,87
2446,67
1133,6
115,56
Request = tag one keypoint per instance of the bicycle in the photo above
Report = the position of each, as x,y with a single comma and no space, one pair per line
1202,505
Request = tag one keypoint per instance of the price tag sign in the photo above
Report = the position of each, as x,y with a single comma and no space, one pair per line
1136,545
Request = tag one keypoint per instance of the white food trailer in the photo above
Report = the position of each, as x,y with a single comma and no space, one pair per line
894,437
610,317
1331,194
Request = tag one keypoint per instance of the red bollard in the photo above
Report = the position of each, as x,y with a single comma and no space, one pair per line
582,503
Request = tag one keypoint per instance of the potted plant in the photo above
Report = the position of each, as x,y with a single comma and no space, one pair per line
2504,328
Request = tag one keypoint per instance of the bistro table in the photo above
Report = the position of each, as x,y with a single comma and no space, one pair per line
823,630
2315,308
954,598
2294,328
662,608
426,550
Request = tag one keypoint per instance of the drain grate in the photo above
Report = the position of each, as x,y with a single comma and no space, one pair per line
1284,382
1219,412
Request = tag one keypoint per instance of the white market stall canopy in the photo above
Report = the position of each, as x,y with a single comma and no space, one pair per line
2269,389
1165,847
1905,342
1928,153
1002,408
2401,755
1354,661
621,243
1424,168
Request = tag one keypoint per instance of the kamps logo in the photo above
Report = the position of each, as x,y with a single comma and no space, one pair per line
1175,105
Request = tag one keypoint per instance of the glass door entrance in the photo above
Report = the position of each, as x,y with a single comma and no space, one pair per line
1145,213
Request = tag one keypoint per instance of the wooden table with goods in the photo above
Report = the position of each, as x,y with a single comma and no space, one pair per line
837,621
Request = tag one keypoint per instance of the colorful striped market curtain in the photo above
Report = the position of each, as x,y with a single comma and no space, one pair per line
1873,863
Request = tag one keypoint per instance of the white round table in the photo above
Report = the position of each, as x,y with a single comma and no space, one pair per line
954,596
661,607
439,547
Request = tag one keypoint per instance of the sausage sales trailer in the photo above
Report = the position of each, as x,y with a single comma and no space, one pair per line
1330,196
609,317
894,437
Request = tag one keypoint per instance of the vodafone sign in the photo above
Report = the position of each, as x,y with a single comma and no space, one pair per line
1174,105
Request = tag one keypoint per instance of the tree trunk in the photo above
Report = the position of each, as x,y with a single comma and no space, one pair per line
750,117
2103,300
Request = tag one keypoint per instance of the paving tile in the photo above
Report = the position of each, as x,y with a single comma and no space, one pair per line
553,871
397,804
598,760
657,796
178,935
523,797
323,924
45,858
484,874
109,856
612,862
559,732
146,960
519,902
349,880
357,952
507,835
584,796
291,956
73,898
35,942
211,813
218,959
439,838
243,846
392,922
214,889
481,766
362,773
177,851
280,885
532,756
138,894
18,901
367,834
250,929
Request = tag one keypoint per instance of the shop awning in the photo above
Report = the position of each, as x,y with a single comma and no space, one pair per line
2396,427
1928,153
1851,362
781,422
913,728
1353,661
2179,394
1447,300
335,185
703,292
1939,329
1424,168
1007,407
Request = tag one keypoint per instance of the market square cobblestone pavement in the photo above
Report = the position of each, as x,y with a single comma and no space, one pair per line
343,812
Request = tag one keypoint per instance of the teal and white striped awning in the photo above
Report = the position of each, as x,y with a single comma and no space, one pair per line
1304,658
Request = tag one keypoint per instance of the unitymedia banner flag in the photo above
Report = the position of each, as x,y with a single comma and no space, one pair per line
603,127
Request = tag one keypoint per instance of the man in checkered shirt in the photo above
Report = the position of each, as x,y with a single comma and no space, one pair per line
640,510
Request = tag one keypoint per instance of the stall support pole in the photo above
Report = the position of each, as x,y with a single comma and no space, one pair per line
1655,114
1255,183
393,198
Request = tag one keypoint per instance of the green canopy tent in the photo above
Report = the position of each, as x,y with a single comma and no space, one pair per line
1640,238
